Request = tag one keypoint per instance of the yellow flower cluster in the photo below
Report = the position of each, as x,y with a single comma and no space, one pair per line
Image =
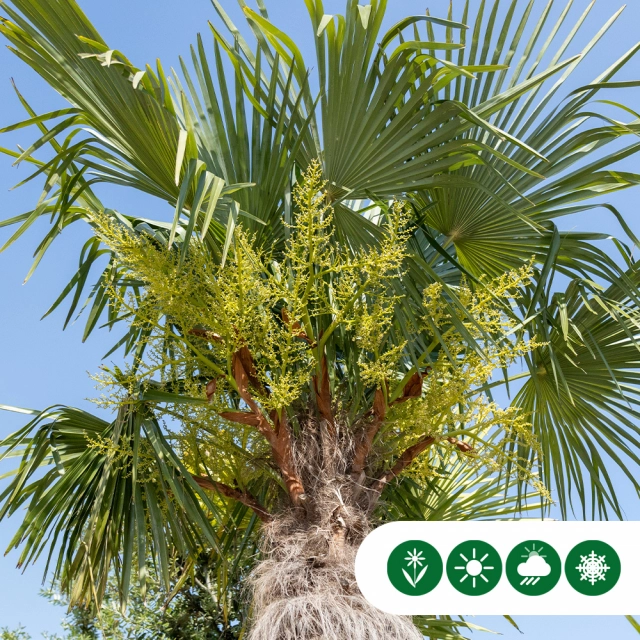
454,405
316,300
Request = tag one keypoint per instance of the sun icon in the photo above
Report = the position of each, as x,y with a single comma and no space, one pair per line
474,567
530,553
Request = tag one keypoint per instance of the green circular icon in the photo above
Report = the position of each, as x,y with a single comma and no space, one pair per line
592,567
474,567
414,567
533,568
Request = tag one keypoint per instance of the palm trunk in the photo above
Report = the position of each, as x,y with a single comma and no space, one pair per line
304,587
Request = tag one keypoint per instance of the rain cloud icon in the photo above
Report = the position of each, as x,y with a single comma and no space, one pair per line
533,569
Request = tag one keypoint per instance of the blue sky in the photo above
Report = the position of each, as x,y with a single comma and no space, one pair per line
40,365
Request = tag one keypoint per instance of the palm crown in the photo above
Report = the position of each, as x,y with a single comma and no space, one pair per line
347,267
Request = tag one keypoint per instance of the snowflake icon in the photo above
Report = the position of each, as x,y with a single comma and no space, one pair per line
593,567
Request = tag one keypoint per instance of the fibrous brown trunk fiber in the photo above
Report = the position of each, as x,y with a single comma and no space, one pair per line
304,587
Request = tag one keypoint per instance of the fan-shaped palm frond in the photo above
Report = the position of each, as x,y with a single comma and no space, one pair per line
458,492
111,494
489,237
582,393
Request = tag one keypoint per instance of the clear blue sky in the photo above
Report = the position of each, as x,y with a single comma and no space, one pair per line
40,365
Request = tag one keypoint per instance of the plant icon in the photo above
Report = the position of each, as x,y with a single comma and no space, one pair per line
414,567
415,560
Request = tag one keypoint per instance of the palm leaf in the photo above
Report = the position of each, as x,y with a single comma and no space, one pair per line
582,394
98,495
489,237
457,493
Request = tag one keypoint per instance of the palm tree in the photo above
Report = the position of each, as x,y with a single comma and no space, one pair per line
311,341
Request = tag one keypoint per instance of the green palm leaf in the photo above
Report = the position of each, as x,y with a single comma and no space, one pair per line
489,237
582,394
101,496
